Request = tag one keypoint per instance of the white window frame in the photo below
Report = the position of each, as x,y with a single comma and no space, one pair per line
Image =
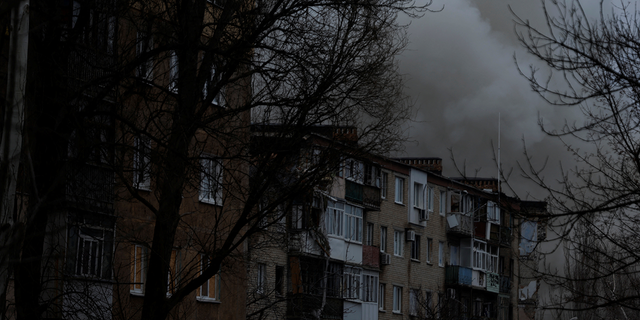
398,243
142,163
399,187
414,303
353,219
397,299
443,202
383,239
381,293
480,255
205,291
354,170
334,218
351,281
369,287
429,249
211,180
454,255
492,259
138,269
441,253
418,195
95,254
261,278
493,212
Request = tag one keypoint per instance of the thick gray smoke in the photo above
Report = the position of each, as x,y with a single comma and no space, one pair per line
461,74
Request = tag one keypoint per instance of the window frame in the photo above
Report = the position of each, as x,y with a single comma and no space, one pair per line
369,234
384,185
353,220
261,278
352,283
443,202
418,196
206,296
211,180
174,71
415,248
441,253
381,294
399,190
383,239
142,163
398,243
144,44
397,299
370,287
430,198
139,264
429,249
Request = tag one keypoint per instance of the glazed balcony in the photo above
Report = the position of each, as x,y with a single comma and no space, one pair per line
369,196
457,275
493,282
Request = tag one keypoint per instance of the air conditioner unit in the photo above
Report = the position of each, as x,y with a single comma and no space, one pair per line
385,258
411,235
422,213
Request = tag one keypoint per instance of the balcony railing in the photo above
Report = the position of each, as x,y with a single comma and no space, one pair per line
354,191
505,284
372,197
90,187
371,256
457,275
459,223
505,236
493,282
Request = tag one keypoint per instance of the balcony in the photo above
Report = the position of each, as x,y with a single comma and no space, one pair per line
88,65
505,236
354,192
493,282
371,256
369,196
459,223
90,187
457,275
505,284
494,233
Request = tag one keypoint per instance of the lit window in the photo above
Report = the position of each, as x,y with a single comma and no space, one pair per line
139,259
210,290
211,181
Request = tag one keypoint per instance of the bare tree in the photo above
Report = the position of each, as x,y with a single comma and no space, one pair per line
593,66
161,96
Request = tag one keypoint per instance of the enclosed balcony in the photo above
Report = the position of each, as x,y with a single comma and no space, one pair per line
90,187
493,282
494,233
371,256
505,284
458,223
505,236
369,196
457,275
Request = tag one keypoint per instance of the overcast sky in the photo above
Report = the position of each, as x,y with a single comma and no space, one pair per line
460,73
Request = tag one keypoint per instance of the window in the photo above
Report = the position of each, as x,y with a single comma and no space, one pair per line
279,280
397,299
418,195
142,163
173,72
209,85
384,184
261,278
453,255
414,303
210,290
443,202
369,234
381,296
399,190
429,249
334,218
480,255
353,223
334,280
351,282
90,252
415,248
528,237
430,198
493,259
370,288
144,44
354,170
398,242
455,201
441,253
139,259
428,301
383,239
172,277
493,212
97,30
211,181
